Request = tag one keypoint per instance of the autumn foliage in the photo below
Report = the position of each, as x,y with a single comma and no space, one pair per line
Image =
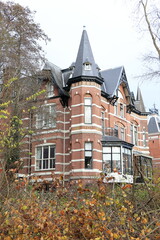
93,212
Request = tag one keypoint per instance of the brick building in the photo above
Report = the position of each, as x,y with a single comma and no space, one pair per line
154,136
89,122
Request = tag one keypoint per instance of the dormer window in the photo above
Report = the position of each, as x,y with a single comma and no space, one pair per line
87,65
49,89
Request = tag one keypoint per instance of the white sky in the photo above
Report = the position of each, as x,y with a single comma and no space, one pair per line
112,32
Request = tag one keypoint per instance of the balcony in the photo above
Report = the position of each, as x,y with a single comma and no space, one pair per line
110,132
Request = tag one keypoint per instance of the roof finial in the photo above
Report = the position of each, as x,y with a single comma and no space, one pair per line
84,27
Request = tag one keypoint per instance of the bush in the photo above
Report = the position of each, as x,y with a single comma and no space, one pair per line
98,212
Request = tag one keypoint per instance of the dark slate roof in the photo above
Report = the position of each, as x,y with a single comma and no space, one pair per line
57,76
154,124
139,104
85,55
115,140
111,79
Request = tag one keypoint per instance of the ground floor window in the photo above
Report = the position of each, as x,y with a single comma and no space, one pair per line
127,161
117,158
88,155
45,157
111,159
143,168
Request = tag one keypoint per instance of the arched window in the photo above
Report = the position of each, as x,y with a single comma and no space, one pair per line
88,109
120,129
103,120
144,138
134,133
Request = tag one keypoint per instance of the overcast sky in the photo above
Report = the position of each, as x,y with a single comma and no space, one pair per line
112,31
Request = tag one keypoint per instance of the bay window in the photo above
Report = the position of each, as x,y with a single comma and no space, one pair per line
112,159
117,158
127,161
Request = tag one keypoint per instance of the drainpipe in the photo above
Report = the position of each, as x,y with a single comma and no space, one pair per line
30,145
64,144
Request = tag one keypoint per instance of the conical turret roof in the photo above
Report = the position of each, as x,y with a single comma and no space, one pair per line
85,64
139,101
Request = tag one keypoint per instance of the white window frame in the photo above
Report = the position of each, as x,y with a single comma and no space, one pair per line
134,134
87,66
121,108
88,148
116,108
117,158
144,138
47,163
112,159
46,119
103,121
49,89
122,133
88,110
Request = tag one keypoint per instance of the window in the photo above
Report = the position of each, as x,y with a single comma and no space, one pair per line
122,134
103,122
88,155
134,134
144,139
87,66
127,161
45,157
116,130
116,108
143,168
46,118
111,159
49,89
88,110
121,110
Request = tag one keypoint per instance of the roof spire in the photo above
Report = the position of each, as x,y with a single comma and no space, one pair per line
154,110
85,64
139,101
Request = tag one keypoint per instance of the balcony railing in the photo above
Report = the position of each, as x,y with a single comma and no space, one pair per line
110,132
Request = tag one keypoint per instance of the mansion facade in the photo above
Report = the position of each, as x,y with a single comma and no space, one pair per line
89,123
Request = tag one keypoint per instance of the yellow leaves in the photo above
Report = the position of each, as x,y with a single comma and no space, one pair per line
5,104
144,220
116,236
10,81
123,209
7,238
34,96
137,219
24,207
3,116
102,216
66,215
